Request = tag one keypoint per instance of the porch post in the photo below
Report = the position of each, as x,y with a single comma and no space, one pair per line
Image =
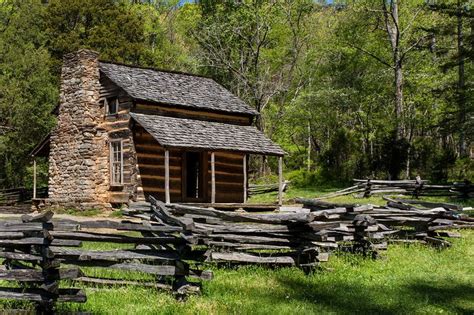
167,176
213,178
245,177
280,180
34,178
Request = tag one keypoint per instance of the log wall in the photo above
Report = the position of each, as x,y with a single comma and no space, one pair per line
229,168
151,161
163,110
118,127
151,165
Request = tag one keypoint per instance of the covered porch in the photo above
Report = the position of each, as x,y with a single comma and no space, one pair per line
199,162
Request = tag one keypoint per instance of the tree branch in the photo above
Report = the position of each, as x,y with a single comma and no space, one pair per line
371,55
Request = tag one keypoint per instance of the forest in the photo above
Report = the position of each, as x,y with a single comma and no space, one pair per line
350,89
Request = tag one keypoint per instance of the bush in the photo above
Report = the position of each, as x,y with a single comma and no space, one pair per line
463,169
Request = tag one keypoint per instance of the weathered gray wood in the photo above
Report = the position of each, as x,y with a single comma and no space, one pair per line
11,235
119,282
162,270
319,204
20,256
429,204
114,238
10,226
450,227
238,217
36,275
115,255
248,258
45,216
163,213
241,246
201,274
252,239
38,295
123,226
250,228
39,241
437,241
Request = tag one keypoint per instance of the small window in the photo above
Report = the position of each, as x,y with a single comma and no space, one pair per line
111,106
116,162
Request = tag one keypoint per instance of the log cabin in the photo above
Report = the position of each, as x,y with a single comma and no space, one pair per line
124,133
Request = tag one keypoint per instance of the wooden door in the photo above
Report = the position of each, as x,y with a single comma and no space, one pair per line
194,176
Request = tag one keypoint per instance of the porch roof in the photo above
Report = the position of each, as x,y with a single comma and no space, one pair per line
205,135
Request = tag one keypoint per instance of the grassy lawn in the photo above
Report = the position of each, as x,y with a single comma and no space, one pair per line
315,192
411,279
407,280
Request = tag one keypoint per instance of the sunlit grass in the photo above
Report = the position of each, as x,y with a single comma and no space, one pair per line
315,192
407,280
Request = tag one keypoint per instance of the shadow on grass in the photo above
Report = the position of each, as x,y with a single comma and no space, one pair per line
345,298
307,294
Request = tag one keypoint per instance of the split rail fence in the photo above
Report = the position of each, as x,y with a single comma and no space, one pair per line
415,188
35,249
172,243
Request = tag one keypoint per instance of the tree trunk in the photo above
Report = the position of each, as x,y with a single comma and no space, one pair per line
390,9
399,98
461,82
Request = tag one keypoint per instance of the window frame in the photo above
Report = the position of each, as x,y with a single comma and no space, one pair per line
113,162
107,102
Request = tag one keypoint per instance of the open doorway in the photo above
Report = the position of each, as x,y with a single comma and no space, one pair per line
194,176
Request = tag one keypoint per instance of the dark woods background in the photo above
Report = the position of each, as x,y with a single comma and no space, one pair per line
349,89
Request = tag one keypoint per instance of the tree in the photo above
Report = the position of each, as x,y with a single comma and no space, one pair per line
27,88
103,25
458,27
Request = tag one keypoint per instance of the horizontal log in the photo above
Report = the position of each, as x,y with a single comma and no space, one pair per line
323,204
237,217
36,275
39,241
248,258
20,256
41,217
38,295
119,282
125,226
240,228
11,235
115,255
253,239
162,270
113,238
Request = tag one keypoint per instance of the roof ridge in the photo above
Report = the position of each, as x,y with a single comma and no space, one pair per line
158,69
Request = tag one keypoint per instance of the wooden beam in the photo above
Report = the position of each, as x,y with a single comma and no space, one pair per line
245,177
280,180
213,178
167,177
34,178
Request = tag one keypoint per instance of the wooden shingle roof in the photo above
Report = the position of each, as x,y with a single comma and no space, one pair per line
176,89
205,135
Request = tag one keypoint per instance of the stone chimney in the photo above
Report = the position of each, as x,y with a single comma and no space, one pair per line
78,161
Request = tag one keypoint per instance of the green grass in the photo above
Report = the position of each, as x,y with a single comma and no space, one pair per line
310,192
412,279
407,280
